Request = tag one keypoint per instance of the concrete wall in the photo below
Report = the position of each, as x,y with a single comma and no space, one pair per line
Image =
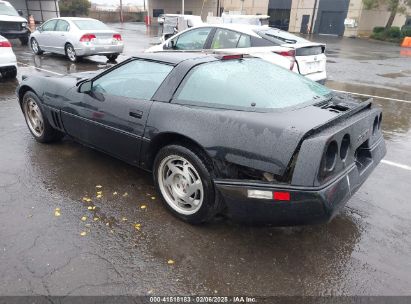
368,19
174,6
250,7
298,9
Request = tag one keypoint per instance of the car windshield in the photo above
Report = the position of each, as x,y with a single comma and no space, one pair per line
90,24
7,9
276,35
248,83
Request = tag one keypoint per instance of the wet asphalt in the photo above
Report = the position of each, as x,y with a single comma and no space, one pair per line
364,251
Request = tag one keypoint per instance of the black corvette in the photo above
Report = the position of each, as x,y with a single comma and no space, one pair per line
222,134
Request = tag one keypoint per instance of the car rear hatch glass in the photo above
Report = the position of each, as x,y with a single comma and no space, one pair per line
206,84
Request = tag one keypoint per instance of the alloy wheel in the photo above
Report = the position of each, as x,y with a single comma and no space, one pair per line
34,46
180,184
71,53
34,117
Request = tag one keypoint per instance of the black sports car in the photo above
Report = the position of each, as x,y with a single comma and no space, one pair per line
222,134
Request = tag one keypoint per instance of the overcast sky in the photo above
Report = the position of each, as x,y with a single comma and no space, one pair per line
139,2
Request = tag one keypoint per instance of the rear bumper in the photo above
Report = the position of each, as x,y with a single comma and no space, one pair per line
8,60
90,49
307,205
320,77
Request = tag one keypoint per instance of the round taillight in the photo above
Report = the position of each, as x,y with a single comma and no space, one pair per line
345,147
331,156
375,125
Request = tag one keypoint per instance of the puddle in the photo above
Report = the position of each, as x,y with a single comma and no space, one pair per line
392,75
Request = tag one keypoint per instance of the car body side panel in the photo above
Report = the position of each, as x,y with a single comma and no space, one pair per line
105,122
263,141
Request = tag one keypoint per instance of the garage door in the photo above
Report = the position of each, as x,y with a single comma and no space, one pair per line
332,23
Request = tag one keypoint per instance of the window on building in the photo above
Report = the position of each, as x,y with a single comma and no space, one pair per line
157,12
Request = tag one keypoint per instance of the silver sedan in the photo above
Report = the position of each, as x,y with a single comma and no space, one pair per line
76,37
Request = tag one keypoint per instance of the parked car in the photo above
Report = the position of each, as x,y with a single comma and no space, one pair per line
12,24
175,23
407,25
76,38
8,62
217,135
309,56
304,57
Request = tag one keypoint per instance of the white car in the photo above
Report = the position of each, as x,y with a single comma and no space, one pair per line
297,54
8,62
76,37
309,56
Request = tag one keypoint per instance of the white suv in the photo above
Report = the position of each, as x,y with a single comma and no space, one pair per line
12,24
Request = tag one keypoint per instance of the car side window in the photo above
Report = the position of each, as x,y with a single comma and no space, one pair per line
192,40
225,39
244,42
261,42
62,26
49,26
137,79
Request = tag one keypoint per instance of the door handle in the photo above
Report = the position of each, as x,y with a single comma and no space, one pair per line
136,114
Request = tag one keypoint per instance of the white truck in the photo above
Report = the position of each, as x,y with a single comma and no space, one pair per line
12,24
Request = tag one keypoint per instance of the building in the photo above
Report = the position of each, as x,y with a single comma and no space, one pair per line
105,7
246,7
330,17
202,8
41,10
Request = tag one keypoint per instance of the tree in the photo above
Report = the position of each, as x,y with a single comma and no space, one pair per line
73,8
393,6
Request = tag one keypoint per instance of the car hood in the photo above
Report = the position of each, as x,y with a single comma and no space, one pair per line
12,18
154,48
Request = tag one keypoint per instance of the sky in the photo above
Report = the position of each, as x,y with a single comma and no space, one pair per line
138,2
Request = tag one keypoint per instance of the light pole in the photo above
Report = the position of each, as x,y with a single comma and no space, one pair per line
242,6
121,11
182,4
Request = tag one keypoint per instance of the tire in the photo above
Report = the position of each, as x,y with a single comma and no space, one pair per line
9,73
71,53
24,40
35,47
190,166
41,130
112,57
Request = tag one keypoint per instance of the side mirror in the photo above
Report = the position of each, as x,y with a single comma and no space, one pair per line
20,12
85,87
38,28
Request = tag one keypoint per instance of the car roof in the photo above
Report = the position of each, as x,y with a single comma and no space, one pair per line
174,57
243,28
75,18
